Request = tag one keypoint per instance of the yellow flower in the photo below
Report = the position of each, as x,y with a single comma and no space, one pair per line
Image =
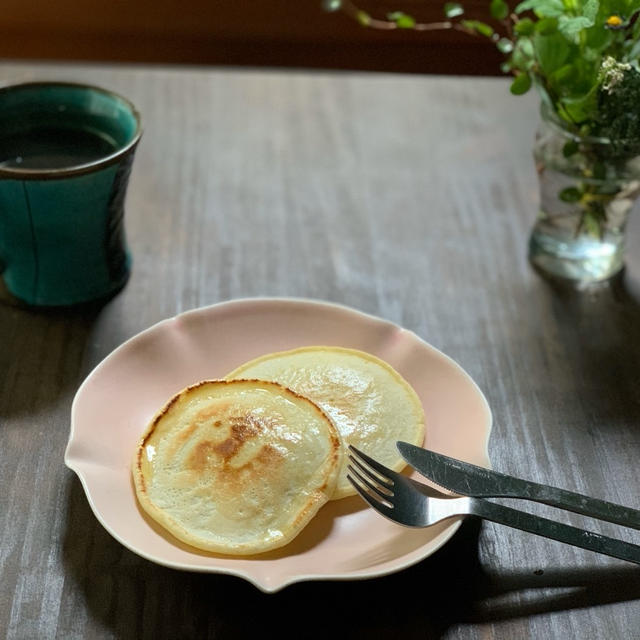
614,21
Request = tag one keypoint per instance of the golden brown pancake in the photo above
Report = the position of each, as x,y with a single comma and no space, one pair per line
236,467
370,403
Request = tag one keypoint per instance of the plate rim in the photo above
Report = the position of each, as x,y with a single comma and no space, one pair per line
410,559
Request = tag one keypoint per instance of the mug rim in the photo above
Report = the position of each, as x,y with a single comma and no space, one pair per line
19,173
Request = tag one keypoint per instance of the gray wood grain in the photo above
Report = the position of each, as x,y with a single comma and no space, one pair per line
403,196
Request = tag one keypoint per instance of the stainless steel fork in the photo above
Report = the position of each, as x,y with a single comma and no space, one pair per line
402,500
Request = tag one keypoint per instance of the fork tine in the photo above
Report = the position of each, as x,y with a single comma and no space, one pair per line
364,480
385,472
385,482
376,504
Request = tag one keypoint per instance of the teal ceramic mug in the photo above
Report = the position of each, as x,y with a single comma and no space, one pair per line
66,152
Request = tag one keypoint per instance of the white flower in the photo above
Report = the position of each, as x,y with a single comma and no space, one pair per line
612,73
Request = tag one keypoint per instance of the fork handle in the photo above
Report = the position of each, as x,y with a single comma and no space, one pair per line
554,530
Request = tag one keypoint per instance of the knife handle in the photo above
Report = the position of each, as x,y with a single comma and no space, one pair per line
468,479
570,501
554,530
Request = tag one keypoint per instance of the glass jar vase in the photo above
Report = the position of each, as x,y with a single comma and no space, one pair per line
588,187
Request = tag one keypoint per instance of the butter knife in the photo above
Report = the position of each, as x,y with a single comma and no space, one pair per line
469,479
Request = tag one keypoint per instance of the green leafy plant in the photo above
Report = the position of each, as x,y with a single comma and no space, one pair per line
582,55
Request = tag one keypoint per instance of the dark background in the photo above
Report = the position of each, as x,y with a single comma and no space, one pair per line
280,33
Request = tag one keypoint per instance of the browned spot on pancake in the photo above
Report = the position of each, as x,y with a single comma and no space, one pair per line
268,455
253,475
247,426
228,448
200,456
243,428
264,462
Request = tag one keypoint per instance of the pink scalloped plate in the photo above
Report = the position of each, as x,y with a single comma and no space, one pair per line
346,539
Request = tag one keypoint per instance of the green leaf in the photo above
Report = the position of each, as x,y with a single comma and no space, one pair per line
363,18
332,5
590,10
523,56
499,9
526,45
581,108
542,8
521,84
546,26
563,75
453,9
504,45
551,52
598,39
571,27
524,27
402,20
478,27
526,5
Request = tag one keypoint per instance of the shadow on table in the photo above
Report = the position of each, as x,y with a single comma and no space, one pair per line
132,598
599,330
41,353
555,590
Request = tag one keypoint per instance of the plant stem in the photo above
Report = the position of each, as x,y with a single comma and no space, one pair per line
388,25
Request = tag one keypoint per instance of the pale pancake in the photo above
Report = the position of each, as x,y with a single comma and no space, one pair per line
237,467
372,405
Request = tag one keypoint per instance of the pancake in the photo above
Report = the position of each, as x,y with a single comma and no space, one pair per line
236,467
370,403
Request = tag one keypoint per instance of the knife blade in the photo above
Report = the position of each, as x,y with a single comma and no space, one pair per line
469,479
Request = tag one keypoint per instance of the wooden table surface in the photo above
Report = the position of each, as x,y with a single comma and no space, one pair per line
410,198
